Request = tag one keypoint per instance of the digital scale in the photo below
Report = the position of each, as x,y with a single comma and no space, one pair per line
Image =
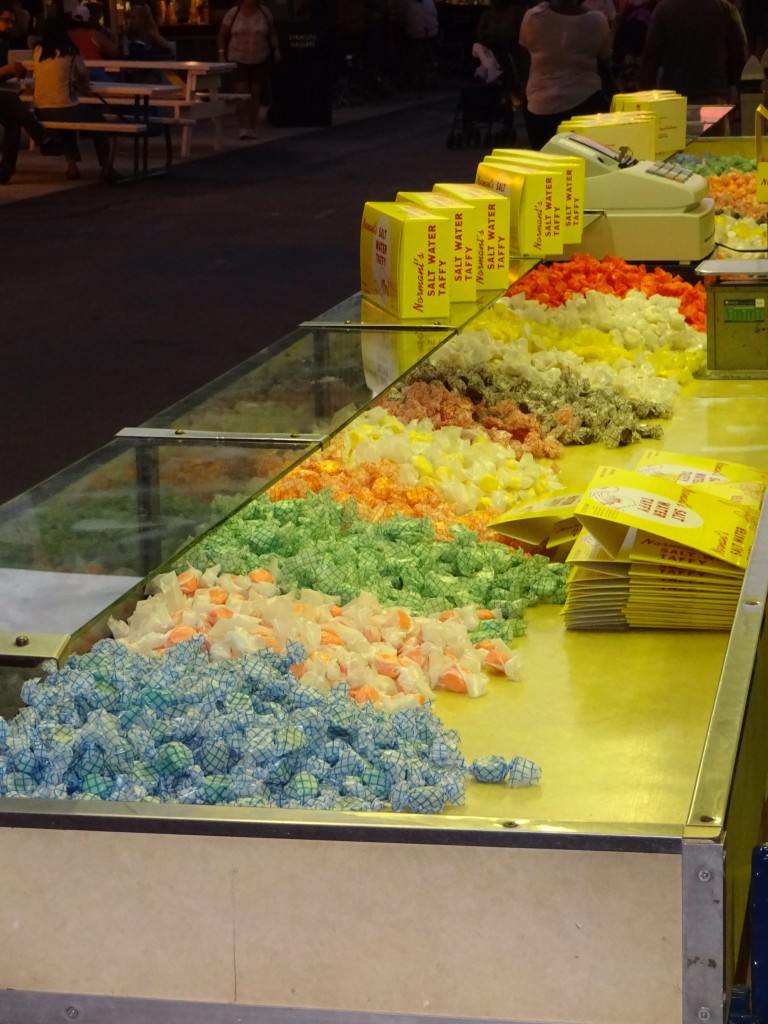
737,331
646,210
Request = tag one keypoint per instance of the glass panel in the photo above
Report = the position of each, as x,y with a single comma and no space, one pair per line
312,382
72,545
13,677
702,119
359,311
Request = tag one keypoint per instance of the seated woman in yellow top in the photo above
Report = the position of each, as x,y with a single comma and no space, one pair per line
60,79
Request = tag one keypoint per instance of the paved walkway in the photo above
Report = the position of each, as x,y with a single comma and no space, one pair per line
37,175
118,302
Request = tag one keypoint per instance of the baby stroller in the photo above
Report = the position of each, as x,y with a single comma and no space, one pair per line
484,113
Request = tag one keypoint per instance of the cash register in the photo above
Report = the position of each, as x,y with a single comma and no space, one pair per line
639,209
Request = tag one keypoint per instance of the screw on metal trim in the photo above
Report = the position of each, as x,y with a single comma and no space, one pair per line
705,875
704,1013
509,824
179,431
21,640
72,1012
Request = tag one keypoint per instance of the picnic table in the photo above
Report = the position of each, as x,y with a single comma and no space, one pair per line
199,95
140,95
137,96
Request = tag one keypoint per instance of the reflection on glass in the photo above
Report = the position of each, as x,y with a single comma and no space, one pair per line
148,495
312,382
13,677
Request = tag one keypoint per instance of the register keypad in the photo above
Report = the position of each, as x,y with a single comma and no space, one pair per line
670,170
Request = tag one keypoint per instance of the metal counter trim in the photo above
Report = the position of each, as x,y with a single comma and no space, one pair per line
711,792
43,1007
352,827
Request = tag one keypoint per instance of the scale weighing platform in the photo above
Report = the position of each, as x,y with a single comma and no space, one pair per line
737,331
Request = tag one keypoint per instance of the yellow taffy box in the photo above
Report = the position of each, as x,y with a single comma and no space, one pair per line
405,255
464,243
537,204
389,354
534,226
670,108
574,173
637,131
492,209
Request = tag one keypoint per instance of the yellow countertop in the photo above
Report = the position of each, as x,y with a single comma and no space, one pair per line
616,721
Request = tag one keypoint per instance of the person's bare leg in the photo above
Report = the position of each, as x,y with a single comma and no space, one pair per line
254,105
243,109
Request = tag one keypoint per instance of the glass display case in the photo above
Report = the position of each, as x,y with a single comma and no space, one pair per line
614,891
82,542
80,545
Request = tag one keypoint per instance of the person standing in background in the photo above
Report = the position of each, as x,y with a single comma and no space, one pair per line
34,9
567,45
499,31
629,42
418,23
696,47
246,37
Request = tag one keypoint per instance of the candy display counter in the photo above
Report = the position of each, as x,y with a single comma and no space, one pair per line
81,541
613,892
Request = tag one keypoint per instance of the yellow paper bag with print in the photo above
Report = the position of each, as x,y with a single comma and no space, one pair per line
617,500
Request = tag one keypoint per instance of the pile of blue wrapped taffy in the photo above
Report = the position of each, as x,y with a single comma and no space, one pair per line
114,725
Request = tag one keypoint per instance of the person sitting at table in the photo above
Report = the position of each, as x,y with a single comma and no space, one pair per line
92,41
247,36
60,79
142,39
14,113
18,38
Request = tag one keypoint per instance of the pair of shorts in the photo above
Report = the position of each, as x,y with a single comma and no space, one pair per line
252,74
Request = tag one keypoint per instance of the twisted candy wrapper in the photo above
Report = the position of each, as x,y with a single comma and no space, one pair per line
332,754
317,544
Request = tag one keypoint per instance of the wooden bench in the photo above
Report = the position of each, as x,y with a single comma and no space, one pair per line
159,119
227,97
112,127
186,113
198,84
137,130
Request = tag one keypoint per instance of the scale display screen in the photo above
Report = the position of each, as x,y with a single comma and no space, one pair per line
740,311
